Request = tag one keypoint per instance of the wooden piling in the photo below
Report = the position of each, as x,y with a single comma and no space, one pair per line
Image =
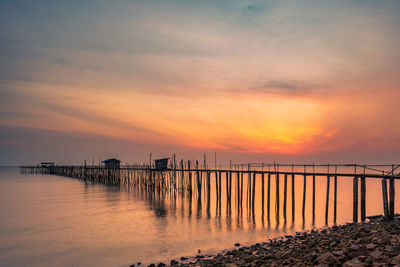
385,199
293,198
254,192
277,196
208,193
328,181
227,186
313,198
304,196
190,179
335,199
238,190
284,196
220,186
355,199
241,192
391,198
230,186
362,179
216,185
262,194
269,195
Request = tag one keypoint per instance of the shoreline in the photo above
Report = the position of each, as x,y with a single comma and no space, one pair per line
372,243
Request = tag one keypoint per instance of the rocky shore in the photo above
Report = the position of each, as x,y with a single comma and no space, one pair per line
374,243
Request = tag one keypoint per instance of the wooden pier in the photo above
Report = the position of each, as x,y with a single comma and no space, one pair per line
194,180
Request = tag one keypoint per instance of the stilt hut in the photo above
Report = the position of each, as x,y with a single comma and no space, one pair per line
112,163
161,164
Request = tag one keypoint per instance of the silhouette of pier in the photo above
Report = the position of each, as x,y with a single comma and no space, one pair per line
194,181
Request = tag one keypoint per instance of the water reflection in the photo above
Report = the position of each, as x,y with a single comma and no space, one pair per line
243,198
247,200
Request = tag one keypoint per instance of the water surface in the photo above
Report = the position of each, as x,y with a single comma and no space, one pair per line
57,221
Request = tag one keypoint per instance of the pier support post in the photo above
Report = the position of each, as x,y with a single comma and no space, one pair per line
269,195
254,192
385,199
284,196
304,196
362,179
355,199
313,199
277,196
335,200
391,198
238,190
262,194
328,182
293,198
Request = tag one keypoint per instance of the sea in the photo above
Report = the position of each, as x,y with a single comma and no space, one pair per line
48,220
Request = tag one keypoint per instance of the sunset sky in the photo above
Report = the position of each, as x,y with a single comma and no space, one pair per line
291,81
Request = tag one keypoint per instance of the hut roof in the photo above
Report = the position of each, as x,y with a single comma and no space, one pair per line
162,159
111,160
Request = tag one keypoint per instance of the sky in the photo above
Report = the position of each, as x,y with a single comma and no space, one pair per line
253,81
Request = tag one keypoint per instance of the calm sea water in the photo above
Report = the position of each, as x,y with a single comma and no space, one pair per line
57,221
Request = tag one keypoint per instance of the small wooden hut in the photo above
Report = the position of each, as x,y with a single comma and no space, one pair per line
112,163
161,164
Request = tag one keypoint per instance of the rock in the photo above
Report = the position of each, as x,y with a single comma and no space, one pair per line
327,258
384,240
362,258
395,260
174,262
358,253
338,253
237,244
370,246
353,263
355,247
183,258
161,265
393,249
368,260
376,254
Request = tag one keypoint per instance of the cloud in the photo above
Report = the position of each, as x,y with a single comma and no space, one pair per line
290,87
